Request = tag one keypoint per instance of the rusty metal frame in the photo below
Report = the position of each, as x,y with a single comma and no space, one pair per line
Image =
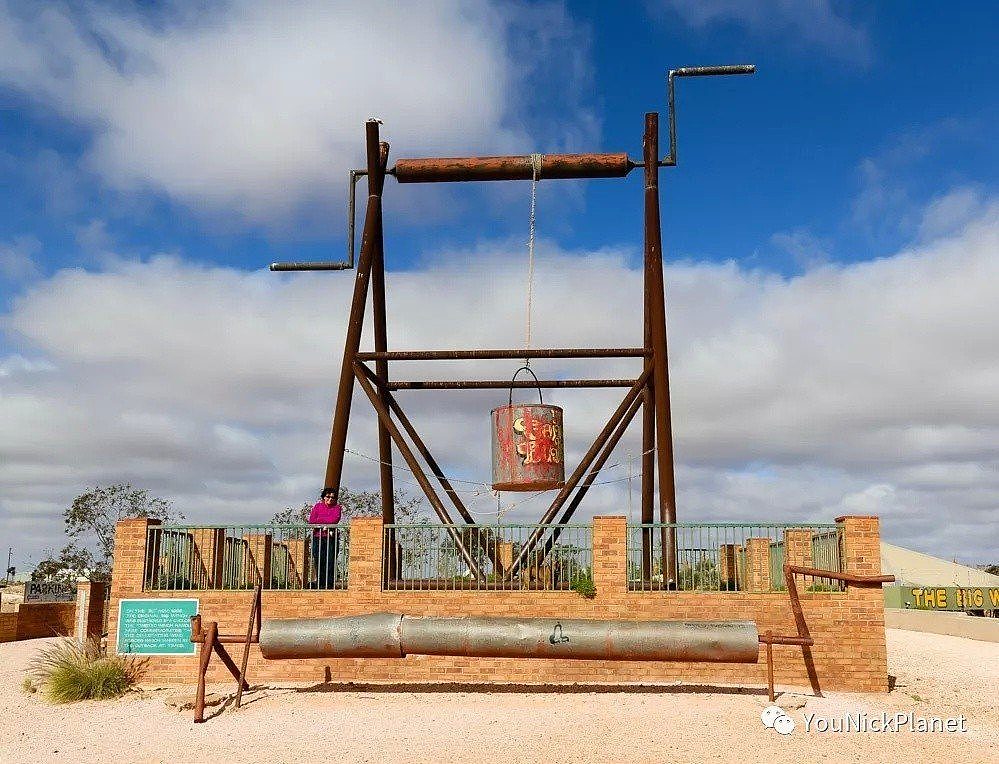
208,637
650,391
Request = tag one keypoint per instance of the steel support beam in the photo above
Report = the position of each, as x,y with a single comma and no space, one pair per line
581,468
355,323
505,353
504,384
416,468
654,262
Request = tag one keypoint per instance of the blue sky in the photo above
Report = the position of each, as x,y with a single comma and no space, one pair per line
825,140
160,152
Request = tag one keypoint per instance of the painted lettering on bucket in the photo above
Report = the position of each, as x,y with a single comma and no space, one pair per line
541,442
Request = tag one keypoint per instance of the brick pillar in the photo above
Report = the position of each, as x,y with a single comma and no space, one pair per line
758,565
861,554
610,554
131,565
861,544
798,551
728,566
89,619
365,561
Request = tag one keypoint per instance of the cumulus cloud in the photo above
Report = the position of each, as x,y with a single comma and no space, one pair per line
868,387
256,108
807,24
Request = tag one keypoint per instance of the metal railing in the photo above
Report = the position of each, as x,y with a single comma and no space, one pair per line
434,557
225,557
727,557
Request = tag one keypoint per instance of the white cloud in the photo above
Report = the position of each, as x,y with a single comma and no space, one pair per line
805,248
805,24
257,108
863,387
17,258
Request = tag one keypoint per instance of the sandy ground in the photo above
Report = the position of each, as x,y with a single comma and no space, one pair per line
935,676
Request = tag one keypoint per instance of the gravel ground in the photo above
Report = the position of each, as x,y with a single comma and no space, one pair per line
935,676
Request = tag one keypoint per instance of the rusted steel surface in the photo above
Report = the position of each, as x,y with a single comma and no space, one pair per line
850,578
385,635
528,449
370,238
660,376
499,384
435,468
207,647
505,353
252,630
381,366
449,169
591,476
580,470
770,667
361,372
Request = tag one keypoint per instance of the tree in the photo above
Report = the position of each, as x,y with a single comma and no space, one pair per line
72,562
993,569
92,518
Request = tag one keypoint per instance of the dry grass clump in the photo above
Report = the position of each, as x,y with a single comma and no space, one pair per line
66,672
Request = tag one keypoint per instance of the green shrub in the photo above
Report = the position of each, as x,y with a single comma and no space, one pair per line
583,585
28,686
66,672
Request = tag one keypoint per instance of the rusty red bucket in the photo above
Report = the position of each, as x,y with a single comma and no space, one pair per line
528,452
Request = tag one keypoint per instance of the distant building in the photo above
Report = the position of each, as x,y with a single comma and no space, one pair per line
924,582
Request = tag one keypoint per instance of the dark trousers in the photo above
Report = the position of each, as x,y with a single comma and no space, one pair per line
324,554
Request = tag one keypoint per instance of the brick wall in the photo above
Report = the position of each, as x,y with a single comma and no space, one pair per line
45,619
8,627
848,626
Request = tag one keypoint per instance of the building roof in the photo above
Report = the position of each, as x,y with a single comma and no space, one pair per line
917,569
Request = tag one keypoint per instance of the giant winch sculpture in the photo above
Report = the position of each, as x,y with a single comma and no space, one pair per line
523,460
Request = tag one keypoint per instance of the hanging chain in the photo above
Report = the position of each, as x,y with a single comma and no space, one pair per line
535,177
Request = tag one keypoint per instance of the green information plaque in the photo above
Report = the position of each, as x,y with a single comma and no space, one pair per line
155,627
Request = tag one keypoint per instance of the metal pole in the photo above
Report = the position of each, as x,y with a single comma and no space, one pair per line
654,258
355,323
505,353
580,470
414,466
591,476
381,366
504,384
389,400
10,554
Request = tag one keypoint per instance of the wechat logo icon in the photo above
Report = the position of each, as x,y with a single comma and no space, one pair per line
775,718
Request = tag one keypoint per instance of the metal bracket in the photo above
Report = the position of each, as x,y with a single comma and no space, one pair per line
693,71
325,265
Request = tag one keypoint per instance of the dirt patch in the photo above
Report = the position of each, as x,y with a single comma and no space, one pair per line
934,676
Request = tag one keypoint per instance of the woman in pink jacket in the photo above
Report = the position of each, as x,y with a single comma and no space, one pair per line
325,540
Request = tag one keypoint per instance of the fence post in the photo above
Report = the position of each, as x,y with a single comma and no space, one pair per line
610,554
90,602
798,551
131,565
758,564
728,567
364,564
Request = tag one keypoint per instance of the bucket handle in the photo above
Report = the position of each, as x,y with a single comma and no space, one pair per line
528,370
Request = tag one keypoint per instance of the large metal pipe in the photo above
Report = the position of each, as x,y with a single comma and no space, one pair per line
450,169
386,635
